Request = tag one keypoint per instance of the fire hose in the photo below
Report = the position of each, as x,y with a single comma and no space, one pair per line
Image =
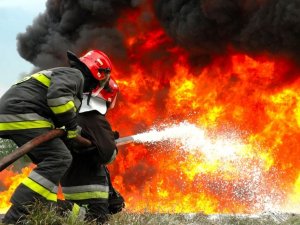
27,147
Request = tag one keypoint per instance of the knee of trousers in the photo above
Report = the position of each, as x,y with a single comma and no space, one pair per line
62,162
53,168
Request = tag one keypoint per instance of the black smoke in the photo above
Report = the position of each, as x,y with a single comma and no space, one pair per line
209,27
204,27
76,25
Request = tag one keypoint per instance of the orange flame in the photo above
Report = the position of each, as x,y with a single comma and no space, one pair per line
9,181
234,94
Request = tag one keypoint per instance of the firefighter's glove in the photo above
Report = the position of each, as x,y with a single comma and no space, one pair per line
116,135
73,133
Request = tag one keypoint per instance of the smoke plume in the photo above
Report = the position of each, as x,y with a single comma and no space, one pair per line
73,25
253,26
204,27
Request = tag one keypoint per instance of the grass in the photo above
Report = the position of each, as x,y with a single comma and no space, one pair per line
200,219
6,146
40,215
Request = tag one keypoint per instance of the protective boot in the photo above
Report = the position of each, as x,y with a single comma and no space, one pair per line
115,200
15,215
68,208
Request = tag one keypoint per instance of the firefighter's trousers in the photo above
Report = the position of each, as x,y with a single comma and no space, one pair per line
86,184
52,160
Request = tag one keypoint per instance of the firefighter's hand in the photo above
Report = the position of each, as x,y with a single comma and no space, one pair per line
116,135
73,133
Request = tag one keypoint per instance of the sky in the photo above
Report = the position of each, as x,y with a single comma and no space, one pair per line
15,16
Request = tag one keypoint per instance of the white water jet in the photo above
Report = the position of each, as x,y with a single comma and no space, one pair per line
193,139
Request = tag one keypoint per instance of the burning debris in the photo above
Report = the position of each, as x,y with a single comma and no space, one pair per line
227,66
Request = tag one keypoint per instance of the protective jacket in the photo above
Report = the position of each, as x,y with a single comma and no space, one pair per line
97,129
46,99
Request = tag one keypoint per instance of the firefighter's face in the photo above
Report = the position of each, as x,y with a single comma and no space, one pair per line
105,73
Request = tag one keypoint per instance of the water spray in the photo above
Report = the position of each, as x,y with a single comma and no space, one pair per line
189,138
227,153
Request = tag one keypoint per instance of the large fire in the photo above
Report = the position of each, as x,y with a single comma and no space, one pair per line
251,102
230,97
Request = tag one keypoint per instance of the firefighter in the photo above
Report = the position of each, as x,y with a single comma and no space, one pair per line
43,101
87,182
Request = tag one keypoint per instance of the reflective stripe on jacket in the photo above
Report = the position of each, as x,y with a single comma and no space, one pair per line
60,104
50,98
23,121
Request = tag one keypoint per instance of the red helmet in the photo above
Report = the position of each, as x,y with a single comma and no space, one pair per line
98,63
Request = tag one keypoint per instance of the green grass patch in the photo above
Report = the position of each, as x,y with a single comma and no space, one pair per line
41,215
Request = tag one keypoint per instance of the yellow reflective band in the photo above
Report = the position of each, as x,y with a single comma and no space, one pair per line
63,108
39,189
86,195
25,125
42,78
72,134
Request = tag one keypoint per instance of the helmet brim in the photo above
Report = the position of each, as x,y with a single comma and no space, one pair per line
95,103
73,59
